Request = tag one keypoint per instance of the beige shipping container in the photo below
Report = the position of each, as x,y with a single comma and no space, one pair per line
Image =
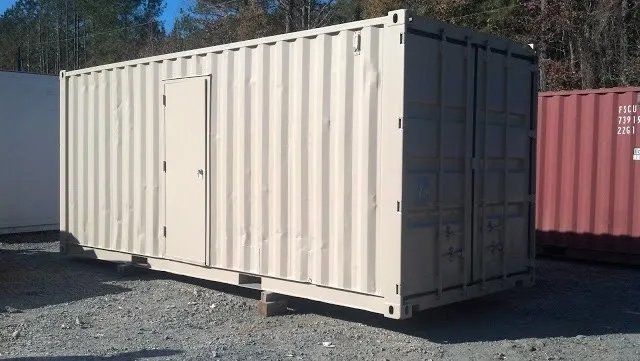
384,164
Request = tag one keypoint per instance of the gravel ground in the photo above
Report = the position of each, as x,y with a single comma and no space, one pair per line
53,308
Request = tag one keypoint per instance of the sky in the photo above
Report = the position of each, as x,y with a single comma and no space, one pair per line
4,4
171,10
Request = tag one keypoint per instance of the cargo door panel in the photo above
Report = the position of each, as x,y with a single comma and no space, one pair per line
502,158
438,131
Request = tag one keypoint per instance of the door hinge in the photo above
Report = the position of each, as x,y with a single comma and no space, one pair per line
164,100
164,166
164,231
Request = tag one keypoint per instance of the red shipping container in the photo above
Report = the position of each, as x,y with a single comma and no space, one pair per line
588,163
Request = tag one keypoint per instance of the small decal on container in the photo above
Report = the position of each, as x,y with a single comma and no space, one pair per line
422,196
636,153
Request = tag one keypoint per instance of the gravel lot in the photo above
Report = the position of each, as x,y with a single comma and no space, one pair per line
52,308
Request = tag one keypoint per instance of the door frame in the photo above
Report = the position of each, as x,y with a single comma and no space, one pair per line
163,152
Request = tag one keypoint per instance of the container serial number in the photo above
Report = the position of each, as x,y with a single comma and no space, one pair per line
628,130
628,119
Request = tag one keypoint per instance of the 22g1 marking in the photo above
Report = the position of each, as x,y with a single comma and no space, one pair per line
628,130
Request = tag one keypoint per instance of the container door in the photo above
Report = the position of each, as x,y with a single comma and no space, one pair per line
503,156
185,169
438,145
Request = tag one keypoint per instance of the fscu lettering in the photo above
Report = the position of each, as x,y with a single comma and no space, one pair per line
628,109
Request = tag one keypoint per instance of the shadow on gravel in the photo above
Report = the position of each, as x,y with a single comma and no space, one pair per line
29,238
569,299
216,286
136,355
32,273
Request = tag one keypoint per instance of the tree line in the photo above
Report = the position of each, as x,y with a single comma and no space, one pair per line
581,43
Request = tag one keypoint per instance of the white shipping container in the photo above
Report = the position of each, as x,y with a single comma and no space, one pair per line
384,164
29,160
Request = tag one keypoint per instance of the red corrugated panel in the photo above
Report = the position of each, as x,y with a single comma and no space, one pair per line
587,176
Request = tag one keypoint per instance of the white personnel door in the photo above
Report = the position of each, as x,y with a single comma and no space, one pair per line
185,116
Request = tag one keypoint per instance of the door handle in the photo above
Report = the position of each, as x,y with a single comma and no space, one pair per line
200,172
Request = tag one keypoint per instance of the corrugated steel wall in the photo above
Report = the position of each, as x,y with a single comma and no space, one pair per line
294,156
587,174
